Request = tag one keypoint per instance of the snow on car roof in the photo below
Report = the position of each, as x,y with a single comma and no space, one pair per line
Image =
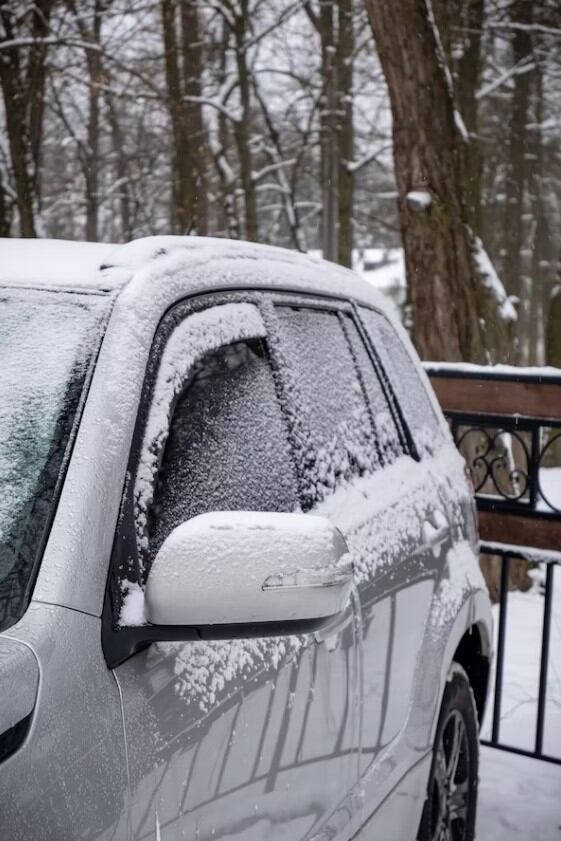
52,263
198,263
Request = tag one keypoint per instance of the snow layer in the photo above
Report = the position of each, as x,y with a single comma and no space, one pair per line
419,199
518,798
207,263
59,331
248,566
374,515
521,669
186,264
550,488
492,281
162,271
192,338
543,371
54,263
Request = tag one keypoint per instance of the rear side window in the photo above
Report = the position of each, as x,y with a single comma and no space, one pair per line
338,432
405,380
389,439
227,448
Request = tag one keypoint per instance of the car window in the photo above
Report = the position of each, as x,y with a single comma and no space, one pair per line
47,342
227,447
335,426
389,439
405,381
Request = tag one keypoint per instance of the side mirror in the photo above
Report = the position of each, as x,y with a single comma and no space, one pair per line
278,573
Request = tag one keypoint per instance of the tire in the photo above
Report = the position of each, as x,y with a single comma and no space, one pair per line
451,801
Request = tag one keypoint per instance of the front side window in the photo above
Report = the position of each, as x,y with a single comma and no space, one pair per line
47,340
210,436
227,448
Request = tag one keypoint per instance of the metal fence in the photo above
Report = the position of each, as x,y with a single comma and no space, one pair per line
544,654
507,424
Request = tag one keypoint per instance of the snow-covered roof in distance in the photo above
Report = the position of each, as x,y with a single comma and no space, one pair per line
185,265
52,263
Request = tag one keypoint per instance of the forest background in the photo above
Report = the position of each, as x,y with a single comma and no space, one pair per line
326,125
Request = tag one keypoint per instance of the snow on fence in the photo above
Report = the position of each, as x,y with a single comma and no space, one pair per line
507,423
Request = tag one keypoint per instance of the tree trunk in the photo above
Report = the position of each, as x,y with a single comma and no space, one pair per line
345,46
195,151
328,132
455,297
19,143
520,14
23,85
91,162
17,129
468,75
553,335
183,189
121,166
542,256
5,210
227,219
242,127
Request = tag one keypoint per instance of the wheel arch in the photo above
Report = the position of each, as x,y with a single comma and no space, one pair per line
473,653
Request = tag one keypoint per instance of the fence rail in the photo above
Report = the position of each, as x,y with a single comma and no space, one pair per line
507,424
506,556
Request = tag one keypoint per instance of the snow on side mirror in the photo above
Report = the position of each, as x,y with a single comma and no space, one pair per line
246,568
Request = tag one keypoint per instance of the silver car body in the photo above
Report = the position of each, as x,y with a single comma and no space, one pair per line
325,737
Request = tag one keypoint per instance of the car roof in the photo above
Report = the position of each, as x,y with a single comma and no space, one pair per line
200,263
52,263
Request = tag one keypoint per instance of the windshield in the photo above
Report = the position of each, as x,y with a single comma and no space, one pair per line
47,340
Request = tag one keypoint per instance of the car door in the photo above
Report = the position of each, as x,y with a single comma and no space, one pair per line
405,537
362,472
241,739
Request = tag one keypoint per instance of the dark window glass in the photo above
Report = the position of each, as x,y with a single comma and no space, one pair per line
227,449
405,380
333,424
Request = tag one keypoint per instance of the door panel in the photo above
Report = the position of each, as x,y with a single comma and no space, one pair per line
360,473
268,753
382,522
242,739
399,579
68,779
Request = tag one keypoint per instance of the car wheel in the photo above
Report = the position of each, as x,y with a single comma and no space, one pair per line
450,805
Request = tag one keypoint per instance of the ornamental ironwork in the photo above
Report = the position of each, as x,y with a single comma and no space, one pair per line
510,463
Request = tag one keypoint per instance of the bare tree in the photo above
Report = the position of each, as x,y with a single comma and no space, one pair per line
333,21
23,51
183,71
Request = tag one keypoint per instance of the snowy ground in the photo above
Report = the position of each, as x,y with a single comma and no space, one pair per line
520,798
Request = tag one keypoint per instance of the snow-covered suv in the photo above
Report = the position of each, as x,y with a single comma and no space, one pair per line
239,585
